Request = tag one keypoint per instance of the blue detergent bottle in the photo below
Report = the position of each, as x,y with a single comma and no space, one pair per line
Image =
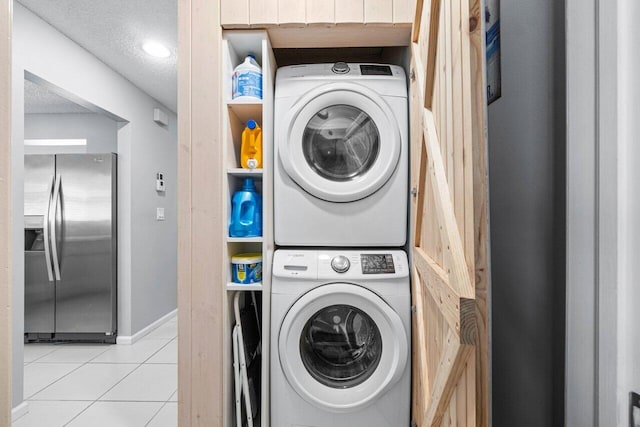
246,211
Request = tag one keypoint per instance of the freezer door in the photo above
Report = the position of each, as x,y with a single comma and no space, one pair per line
85,238
39,286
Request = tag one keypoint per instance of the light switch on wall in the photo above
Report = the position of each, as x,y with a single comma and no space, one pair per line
159,214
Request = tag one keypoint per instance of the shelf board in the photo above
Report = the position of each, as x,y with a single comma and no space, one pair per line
246,110
238,287
235,103
244,173
244,239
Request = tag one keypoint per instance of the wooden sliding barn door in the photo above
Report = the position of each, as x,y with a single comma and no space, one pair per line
450,248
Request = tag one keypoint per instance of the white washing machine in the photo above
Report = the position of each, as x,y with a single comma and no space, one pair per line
341,155
340,340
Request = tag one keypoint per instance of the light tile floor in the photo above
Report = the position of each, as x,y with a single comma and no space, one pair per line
103,385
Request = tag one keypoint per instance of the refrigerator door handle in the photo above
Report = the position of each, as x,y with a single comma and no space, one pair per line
45,231
52,218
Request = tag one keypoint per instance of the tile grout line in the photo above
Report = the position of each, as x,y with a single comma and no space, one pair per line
78,414
157,412
144,361
121,379
38,358
163,405
110,401
159,350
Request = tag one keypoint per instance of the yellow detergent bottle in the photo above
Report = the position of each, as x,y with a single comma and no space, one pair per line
251,150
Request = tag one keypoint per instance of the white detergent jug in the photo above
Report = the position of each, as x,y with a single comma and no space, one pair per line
247,80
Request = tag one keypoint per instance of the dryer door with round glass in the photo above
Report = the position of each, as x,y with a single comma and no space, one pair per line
342,142
341,346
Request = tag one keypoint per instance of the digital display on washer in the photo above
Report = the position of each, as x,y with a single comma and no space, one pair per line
377,263
375,70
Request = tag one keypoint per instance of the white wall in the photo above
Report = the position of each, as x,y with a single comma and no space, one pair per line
100,131
629,207
526,167
146,248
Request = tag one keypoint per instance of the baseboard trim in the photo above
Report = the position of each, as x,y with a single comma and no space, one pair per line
131,339
19,411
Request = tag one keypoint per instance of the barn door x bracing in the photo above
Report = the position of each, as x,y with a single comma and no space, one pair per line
450,251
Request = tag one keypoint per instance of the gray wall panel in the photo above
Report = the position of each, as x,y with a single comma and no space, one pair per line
526,156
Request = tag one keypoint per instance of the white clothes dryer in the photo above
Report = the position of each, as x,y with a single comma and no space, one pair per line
341,155
340,340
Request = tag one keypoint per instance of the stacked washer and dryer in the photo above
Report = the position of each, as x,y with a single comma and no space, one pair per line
340,305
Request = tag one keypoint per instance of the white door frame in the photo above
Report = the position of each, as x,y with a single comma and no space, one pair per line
5,211
592,212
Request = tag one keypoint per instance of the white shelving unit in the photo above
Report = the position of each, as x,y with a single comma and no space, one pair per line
236,45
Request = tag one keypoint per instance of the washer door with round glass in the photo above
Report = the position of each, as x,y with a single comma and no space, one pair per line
341,347
341,143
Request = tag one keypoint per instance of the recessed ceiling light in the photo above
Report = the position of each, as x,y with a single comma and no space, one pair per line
156,49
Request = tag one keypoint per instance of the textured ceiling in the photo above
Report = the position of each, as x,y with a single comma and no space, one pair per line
114,32
38,100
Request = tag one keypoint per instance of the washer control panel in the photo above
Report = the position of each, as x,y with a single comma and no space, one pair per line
377,263
340,264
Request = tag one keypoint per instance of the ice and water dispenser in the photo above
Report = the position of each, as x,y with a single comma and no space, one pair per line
33,233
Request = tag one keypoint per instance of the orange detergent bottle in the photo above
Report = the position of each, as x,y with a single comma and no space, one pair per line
251,150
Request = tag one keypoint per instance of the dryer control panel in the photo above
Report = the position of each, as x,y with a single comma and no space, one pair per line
340,264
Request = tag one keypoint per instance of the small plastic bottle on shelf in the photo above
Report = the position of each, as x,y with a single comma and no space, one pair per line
247,80
246,211
251,150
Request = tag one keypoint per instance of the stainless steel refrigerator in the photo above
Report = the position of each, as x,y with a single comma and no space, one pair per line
70,247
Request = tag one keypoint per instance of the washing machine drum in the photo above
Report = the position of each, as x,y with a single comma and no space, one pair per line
341,142
341,347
